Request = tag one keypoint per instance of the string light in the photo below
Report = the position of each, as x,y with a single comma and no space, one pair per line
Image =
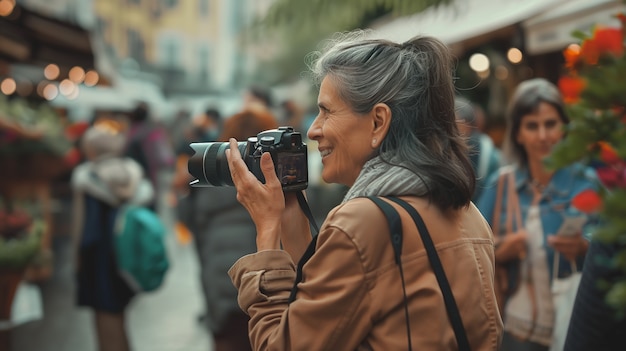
67,87
479,62
514,55
50,92
8,86
77,74
91,78
51,72
6,7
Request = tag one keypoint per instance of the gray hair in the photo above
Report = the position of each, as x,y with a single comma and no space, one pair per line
465,110
526,99
100,141
415,80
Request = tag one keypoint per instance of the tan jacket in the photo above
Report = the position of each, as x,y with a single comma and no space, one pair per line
351,295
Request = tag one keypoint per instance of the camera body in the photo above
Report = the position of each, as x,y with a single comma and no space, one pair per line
289,153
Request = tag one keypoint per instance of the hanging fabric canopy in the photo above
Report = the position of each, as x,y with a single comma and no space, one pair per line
32,38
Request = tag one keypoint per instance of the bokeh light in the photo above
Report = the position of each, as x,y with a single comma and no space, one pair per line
77,74
50,92
479,62
8,86
6,7
514,55
51,71
67,87
91,78
74,94
502,73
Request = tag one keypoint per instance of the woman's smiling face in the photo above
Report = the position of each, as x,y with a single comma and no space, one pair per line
345,138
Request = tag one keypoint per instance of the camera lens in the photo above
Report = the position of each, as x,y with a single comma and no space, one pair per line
209,164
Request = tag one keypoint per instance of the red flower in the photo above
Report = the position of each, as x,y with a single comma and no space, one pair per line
609,176
74,131
590,52
609,41
72,157
608,154
587,201
572,56
570,88
605,40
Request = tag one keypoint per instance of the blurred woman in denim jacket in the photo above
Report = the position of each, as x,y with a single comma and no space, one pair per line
536,121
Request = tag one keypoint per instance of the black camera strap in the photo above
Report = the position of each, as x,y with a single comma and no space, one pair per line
310,250
304,205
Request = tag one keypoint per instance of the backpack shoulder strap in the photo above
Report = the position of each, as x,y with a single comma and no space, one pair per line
395,230
444,285
486,148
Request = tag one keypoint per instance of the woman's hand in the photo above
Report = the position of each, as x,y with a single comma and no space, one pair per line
264,202
511,247
570,246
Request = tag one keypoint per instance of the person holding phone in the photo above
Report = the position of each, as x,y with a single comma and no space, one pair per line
536,123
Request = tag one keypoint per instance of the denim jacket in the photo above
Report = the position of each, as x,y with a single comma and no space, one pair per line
554,206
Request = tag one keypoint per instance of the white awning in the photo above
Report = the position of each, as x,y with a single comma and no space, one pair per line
552,30
463,20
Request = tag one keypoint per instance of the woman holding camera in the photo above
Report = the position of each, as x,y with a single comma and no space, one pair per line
386,127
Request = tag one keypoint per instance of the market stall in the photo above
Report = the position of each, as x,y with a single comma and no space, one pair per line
38,54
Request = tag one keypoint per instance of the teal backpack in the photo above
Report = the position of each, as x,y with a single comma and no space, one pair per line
139,245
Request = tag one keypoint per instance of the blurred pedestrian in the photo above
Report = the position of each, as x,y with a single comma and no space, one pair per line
485,157
385,127
223,231
293,115
100,186
178,128
537,199
149,145
595,325
202,128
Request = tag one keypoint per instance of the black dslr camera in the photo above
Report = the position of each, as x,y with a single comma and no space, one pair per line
210,167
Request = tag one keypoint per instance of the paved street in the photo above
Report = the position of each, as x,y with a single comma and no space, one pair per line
161,321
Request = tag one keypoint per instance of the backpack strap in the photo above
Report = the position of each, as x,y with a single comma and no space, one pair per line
444,285
395,230
485,150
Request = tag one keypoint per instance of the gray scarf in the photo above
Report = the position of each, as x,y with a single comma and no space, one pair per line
379,178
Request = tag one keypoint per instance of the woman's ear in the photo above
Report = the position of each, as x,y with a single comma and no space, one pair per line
381,118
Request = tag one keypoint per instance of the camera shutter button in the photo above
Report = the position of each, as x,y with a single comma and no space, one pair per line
267,141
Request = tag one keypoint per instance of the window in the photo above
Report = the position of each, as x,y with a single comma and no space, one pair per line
170,52
169,4
136,46
204,61
203,8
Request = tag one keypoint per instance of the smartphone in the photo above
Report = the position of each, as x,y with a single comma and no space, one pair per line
572,225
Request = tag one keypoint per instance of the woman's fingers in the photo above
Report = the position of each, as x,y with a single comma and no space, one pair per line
267,167
238,168
569,246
